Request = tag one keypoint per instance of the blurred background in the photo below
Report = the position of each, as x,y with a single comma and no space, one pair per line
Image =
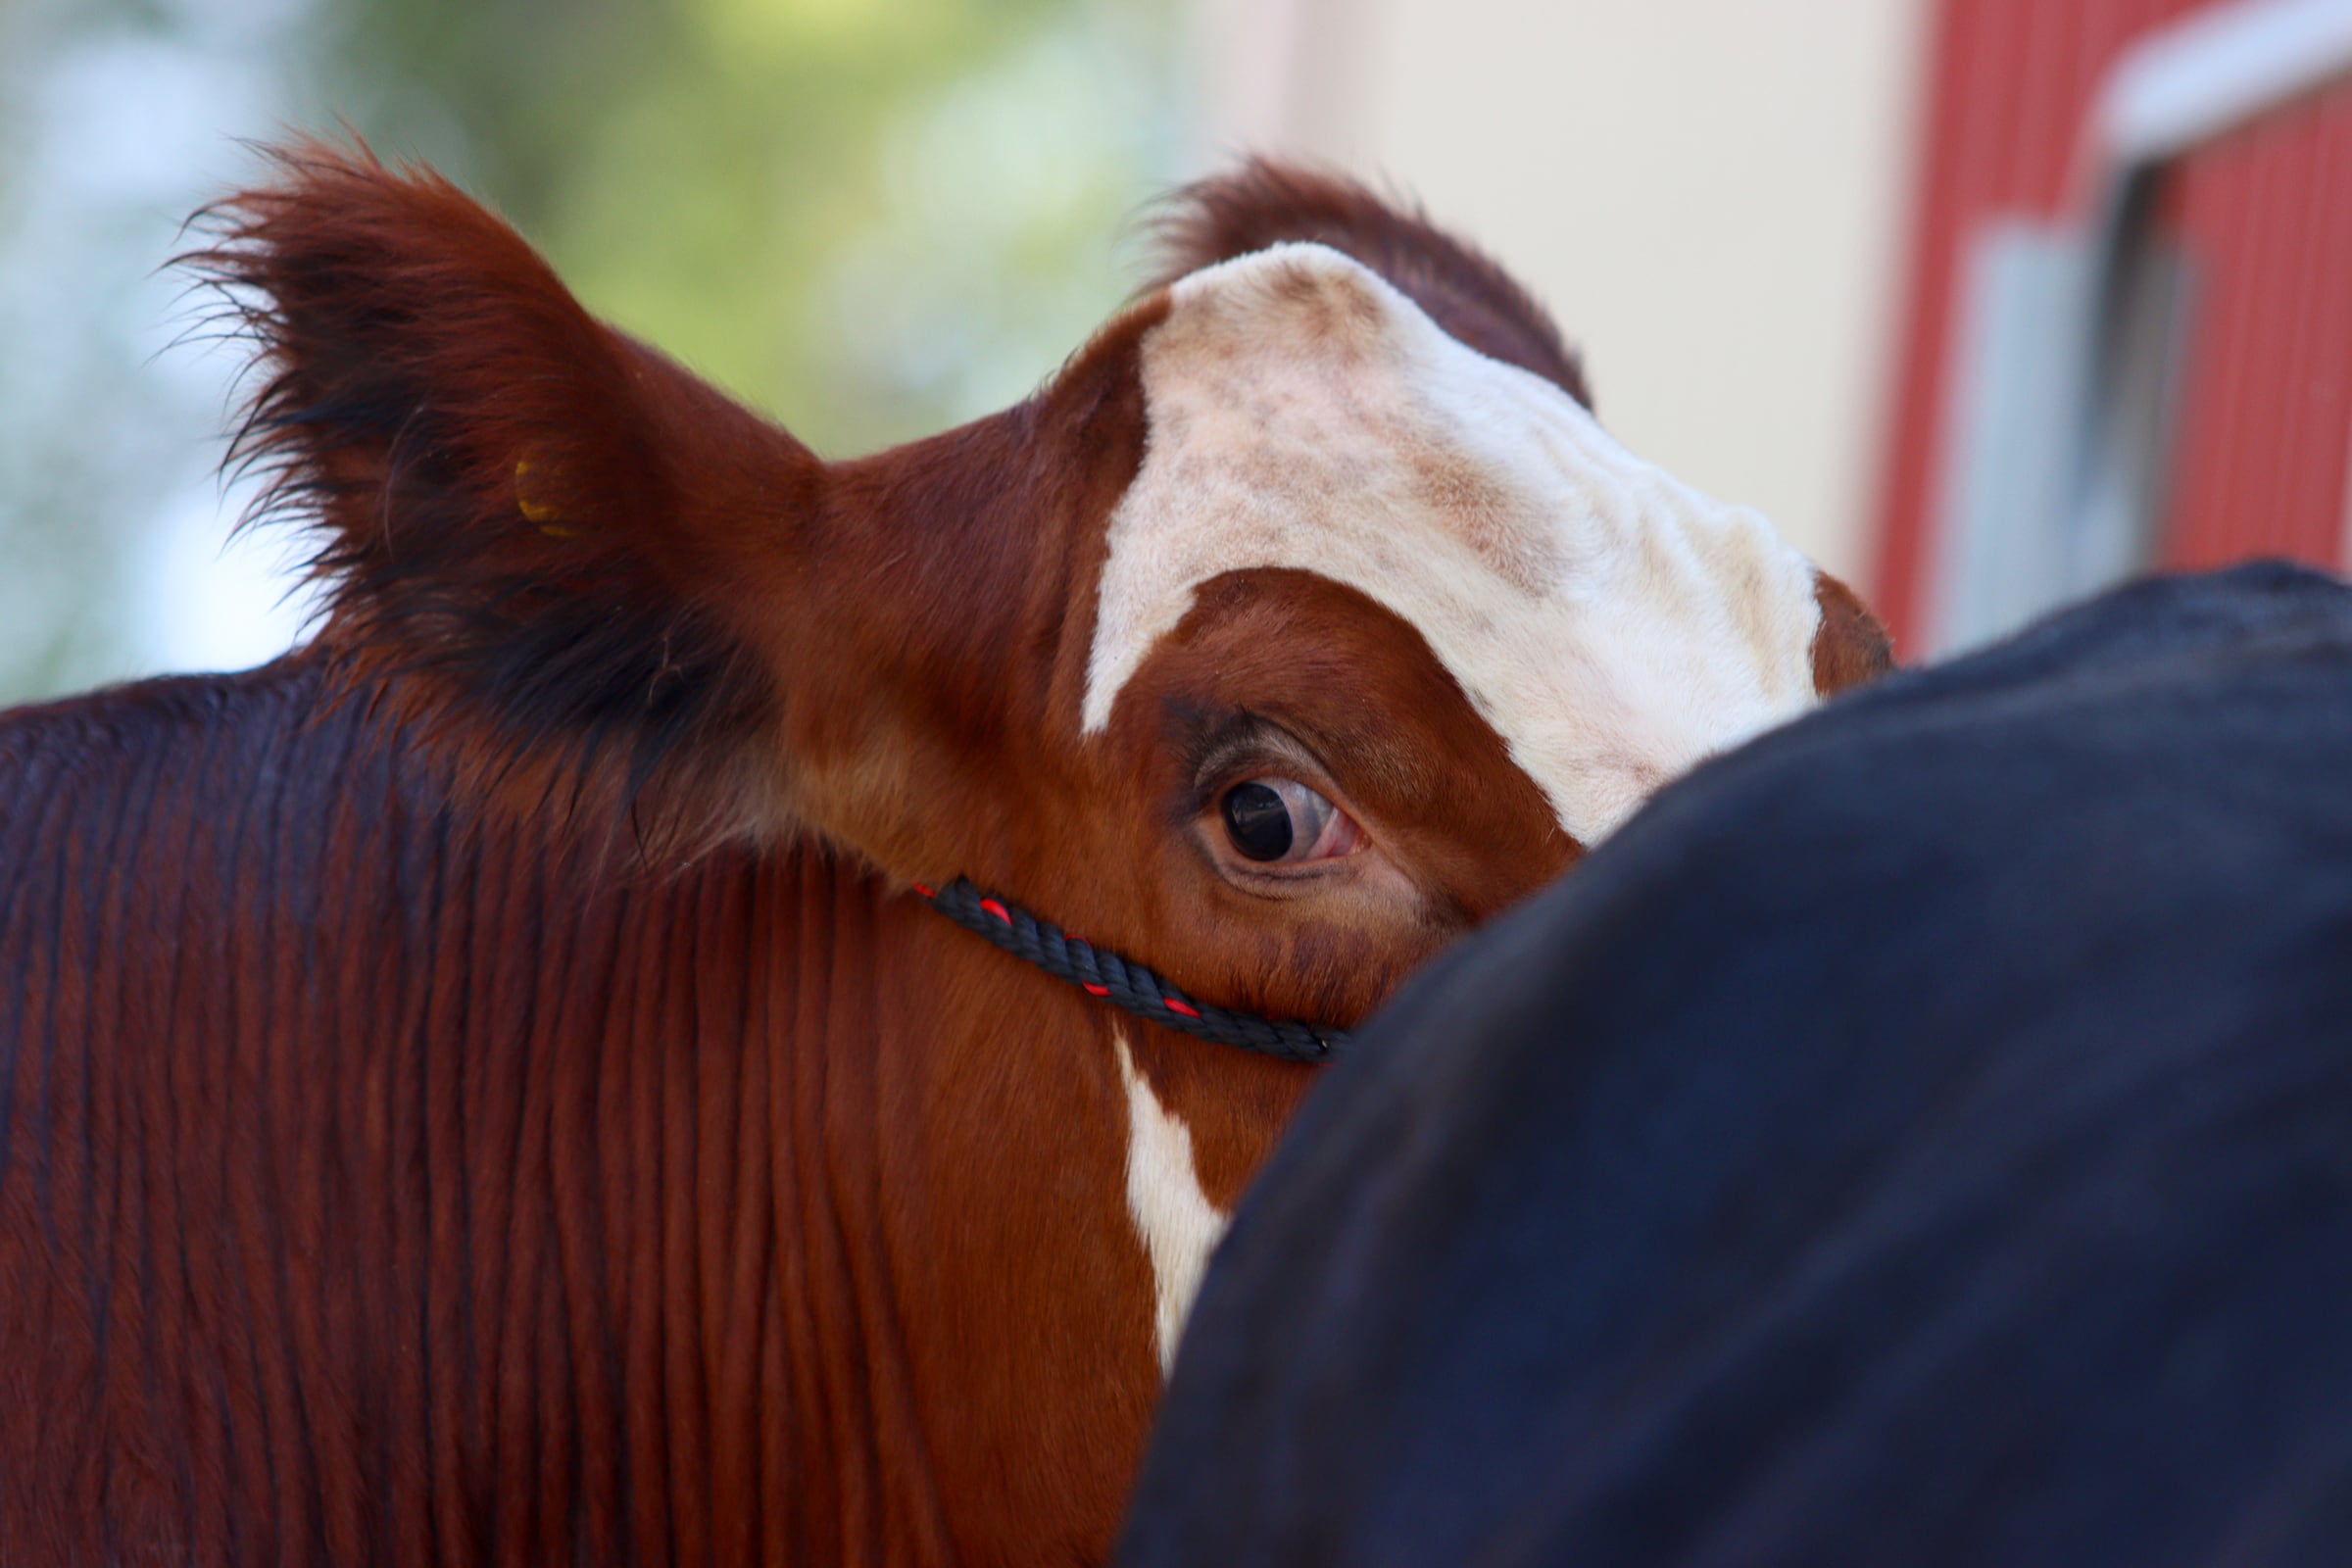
1812,249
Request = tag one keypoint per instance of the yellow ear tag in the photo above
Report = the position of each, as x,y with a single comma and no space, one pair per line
538,511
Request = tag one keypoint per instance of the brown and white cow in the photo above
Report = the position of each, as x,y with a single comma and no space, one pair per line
481,1088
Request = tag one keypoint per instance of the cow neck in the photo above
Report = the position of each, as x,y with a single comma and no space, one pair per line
1108,977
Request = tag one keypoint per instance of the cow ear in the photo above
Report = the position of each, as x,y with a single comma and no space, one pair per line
540,541
1461,288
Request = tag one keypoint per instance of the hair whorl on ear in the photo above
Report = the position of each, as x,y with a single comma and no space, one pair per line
530,527
1464,291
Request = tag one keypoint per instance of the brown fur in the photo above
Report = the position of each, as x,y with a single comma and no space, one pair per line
1850,647
479,1091
1464,291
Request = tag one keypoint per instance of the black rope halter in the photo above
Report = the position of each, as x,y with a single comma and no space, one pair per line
1114,979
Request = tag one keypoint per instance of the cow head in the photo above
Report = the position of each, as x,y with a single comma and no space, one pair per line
1303,620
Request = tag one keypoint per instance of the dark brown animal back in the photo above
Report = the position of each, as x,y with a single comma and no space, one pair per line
351,1164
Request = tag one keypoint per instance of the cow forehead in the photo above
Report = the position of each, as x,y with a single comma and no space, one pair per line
1612,624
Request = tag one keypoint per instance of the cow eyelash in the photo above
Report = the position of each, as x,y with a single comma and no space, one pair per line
1245,748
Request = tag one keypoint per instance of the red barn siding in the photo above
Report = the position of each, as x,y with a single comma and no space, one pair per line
2266,222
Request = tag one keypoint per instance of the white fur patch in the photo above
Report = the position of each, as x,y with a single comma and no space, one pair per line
1613,625
1178,1224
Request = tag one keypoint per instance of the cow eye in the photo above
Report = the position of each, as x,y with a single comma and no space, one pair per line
1280,819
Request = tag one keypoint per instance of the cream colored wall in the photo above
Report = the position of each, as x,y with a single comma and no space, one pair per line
1708,193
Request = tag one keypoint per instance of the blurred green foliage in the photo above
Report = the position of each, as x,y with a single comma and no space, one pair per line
875,217
870,218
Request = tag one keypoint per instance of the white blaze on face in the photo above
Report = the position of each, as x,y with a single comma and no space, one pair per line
1178,1225
1613,625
